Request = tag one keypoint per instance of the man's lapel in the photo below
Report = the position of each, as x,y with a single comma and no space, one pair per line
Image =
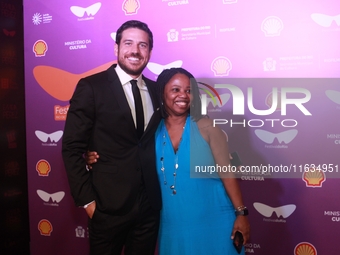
119,95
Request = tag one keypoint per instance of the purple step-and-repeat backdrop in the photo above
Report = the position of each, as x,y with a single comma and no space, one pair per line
274,66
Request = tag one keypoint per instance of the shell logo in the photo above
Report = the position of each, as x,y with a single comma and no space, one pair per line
272,26
130,7
305,249
221,66
43,167
314,177
45,227
40,48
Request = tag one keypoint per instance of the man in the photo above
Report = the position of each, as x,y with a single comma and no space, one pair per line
121,193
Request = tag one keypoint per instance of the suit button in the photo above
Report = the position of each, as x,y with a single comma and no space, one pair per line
140,145
138,169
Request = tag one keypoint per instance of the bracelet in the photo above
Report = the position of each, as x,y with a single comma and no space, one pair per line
240,208
241,211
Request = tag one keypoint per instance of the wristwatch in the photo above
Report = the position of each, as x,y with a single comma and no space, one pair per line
241,211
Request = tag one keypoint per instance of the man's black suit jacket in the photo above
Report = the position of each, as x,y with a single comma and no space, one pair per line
99,119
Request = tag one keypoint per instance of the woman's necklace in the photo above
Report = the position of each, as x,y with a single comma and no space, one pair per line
173,186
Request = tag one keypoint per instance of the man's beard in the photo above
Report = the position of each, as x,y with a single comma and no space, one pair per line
129,71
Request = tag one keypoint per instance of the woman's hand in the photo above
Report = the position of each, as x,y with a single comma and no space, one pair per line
241,224
91,158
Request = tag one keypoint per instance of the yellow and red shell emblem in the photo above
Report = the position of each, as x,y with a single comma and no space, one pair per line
305,249
314,177
40,48
45,227
43,167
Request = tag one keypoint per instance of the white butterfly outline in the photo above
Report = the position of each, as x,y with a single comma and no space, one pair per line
158,68
90,10
325,20
54,137
269,137
285,211
56,197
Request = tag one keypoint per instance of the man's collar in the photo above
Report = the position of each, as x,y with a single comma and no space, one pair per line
126,78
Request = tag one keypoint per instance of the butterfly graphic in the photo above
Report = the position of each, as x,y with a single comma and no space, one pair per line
60,84
113,36
158,68
268,137
285,211
333,95
91,10
54,137
325,20
56,197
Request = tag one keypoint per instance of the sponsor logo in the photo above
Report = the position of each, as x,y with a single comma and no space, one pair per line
221,66
40,48
269,137
251,247
172,35
56,197
334,215
130,7
335,137
90,11
272,26
267,211
53,137
175,3
253,176
325,20
51,199
158,68
269,65
38,18
313,178
282,211
60,112
61,84
305,248
45,227
43,167
78,44
80,232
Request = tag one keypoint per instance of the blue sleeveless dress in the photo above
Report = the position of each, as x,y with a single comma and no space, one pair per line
199,218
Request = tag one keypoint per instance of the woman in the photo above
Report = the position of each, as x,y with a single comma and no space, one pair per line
198,214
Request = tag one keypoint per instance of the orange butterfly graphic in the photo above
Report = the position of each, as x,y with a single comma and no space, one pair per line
60,84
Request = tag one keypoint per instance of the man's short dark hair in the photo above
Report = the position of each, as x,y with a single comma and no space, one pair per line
134,24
